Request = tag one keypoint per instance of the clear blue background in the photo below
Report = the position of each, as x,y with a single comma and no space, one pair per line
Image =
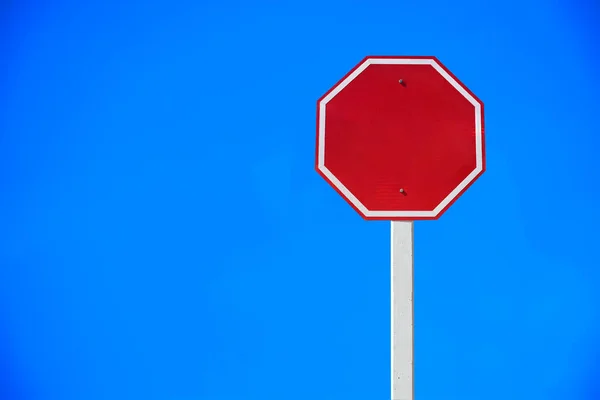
163,233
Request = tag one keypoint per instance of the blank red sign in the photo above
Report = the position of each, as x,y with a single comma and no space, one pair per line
400,138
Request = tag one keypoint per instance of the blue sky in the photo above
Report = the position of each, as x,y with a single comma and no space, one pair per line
163,233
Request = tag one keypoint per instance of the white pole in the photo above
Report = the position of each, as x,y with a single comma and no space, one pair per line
402,311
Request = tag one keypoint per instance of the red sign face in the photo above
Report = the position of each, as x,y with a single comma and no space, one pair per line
400,138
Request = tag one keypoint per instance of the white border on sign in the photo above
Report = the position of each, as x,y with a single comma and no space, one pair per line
401,214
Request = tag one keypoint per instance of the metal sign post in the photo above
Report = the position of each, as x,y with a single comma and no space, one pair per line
400,139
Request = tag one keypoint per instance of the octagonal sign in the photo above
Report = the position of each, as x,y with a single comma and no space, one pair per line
400,138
